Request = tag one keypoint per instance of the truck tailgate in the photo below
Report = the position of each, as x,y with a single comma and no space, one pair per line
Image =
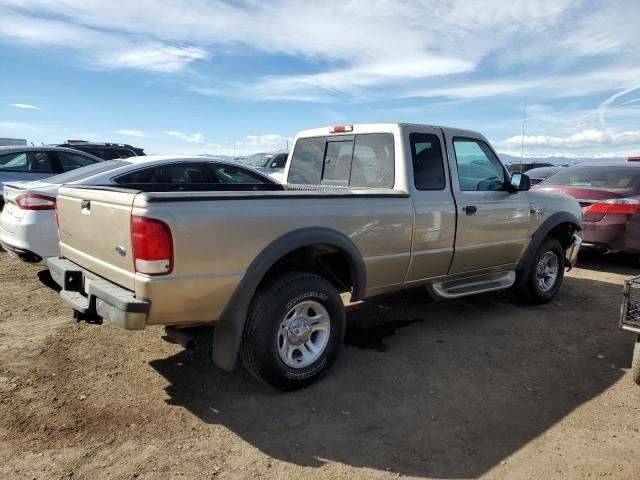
95,232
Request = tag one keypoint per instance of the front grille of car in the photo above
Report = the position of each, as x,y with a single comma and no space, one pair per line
630,313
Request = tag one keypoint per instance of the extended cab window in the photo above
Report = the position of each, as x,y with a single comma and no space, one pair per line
478,167
358,161
428,166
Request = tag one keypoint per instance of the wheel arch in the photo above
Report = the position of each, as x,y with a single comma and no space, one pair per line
229,328
561,225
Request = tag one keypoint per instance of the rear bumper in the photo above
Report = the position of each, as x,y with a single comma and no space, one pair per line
90,294
21,253
617,233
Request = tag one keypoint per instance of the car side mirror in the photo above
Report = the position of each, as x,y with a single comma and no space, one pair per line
520,182
277,164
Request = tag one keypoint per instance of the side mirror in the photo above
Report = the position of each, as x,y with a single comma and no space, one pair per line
520,182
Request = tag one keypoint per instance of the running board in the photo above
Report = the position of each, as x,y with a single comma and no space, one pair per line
471,286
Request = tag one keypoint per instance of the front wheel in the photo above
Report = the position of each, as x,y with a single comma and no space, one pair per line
294,331
540,281
635,363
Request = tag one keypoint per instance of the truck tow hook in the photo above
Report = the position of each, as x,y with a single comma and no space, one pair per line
90,318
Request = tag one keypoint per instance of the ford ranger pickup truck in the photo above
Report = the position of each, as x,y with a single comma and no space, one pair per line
366,209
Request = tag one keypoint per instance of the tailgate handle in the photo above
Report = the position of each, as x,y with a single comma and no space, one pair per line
85,205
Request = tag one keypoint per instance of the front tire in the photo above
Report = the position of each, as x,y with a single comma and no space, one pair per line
635,363
540,281
294,331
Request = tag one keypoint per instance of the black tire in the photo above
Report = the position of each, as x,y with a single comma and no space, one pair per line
259,350
526,287
635,363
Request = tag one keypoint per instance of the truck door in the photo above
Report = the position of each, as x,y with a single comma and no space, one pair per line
493,222
433,202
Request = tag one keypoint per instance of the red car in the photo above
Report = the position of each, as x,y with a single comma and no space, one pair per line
610,200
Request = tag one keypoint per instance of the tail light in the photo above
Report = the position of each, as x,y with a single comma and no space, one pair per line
152,246
622,206
33,201
341,129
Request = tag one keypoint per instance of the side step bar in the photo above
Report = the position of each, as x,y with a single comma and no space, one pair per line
480,284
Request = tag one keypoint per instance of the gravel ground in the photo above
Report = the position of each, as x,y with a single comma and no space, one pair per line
478,387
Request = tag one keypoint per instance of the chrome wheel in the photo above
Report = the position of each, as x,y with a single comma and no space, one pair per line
547,271
303,334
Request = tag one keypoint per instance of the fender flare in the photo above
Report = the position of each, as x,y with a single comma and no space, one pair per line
229,328
542,232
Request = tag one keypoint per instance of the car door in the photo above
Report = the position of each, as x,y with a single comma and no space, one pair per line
434,206
493,221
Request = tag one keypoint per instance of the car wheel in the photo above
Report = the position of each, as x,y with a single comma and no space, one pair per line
294,331
541,280
635,363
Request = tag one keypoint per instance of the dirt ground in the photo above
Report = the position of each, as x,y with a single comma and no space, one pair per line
459,389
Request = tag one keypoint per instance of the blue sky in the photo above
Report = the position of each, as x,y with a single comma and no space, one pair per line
213,76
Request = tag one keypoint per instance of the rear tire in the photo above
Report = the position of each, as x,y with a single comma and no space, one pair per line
294,330
635,363
540,281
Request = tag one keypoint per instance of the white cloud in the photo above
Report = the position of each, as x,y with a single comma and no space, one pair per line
583,139
156,57
130,133
197,138
265,142
25,106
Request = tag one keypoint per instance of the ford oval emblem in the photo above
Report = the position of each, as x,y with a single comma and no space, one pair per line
120,251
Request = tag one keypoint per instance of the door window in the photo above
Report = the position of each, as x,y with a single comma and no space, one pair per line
40,162
428,167
13,162
231,174
71,161
478,167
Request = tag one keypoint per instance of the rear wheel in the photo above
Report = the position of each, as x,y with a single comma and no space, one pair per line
294,330
541,280
635,363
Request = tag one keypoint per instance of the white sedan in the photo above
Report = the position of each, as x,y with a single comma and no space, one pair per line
28,225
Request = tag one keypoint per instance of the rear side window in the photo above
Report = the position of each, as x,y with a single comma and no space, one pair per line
164,174
13,162
231,174
428,166
40,162
358,161
71,161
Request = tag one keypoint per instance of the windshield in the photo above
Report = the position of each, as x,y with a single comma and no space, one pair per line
259,159
84,172
607,177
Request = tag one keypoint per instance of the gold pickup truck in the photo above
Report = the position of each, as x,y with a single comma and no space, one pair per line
366,209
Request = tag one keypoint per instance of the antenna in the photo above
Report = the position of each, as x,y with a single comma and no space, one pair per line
524,119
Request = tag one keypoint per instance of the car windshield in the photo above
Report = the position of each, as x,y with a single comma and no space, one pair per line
606,177
259,159
84,172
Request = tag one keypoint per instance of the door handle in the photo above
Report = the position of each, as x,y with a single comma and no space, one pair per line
470,209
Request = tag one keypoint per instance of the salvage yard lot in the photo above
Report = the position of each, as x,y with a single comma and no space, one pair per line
459,389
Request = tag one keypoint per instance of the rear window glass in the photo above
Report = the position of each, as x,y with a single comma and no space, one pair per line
13,162
607,177
357,161
84,172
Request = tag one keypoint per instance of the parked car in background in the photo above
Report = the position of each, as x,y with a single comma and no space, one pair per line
106,151
27,223
540,174
610,200
270,163
521,167
23,163
365,210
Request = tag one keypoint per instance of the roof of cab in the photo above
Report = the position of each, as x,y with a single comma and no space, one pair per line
381,127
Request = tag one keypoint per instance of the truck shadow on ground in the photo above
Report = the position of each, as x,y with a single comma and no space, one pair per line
442,389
